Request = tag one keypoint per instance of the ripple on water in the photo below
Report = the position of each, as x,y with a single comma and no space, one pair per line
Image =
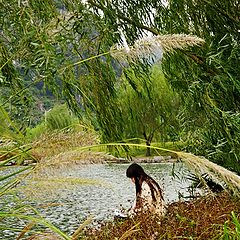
112,189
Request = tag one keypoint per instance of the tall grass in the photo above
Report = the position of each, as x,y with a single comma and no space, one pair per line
230,233
58,118
13,151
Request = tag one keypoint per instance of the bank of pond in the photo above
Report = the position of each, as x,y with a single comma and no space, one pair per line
66,197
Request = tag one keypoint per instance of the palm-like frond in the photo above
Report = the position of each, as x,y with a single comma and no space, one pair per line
204,181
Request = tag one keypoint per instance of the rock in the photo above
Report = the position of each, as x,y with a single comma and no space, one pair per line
158,158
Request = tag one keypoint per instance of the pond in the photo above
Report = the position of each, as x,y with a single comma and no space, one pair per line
108,189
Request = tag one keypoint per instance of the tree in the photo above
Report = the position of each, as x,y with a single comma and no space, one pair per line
66,43
206,77
150,109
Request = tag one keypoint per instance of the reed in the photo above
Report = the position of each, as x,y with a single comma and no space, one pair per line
154,47
200,165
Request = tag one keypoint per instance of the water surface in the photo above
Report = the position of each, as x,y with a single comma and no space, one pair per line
110,189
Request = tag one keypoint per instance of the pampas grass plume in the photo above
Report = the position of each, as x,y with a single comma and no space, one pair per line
151,49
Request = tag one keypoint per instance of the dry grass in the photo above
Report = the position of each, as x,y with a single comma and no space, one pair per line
45,236
71,158
198,219
63,149
57,153
55,143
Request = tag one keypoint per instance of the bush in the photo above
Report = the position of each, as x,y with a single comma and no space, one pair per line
36,132
60,118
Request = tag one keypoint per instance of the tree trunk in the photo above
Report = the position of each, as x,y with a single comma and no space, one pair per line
148,151
148,142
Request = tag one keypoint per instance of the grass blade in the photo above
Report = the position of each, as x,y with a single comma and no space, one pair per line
130,232
236,222
25,230
14,173
81,227
37,220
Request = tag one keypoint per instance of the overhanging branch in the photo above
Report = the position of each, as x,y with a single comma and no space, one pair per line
121,16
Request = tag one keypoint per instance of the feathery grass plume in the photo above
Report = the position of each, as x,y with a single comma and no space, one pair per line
201,164
151,49
178,41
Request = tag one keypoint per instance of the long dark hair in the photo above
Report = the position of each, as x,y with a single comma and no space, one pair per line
136,171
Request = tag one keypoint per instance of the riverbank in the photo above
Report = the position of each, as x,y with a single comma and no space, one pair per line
152,159
209,217
60,148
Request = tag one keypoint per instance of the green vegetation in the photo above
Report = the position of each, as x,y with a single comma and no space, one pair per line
67,85
149,111
58,118
65,52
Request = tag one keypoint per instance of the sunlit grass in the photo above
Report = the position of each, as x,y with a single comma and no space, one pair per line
60,149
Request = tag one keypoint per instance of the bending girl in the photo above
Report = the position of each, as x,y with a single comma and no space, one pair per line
149,197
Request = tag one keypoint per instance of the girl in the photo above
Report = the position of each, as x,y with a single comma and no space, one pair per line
149,198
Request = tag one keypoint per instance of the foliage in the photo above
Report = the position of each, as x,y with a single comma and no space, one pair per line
66,46
230,233
35,132
13,149
59,118
209,80
220,145
149,107
8,129
206,77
